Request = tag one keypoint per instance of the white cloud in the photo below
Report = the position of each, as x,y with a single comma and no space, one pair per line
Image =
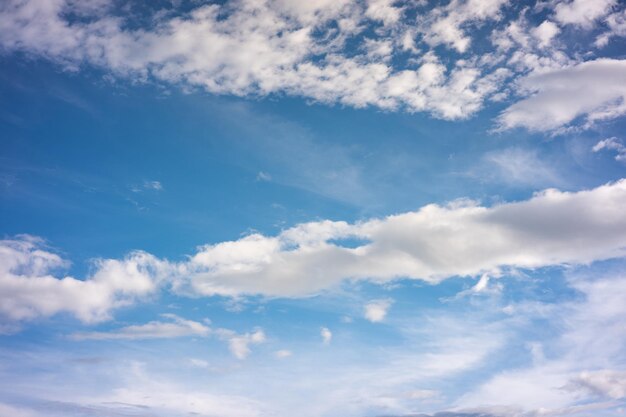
165,398
29,290
199,363
593,90
545,33
583,368
616,23
613,144
582,12
175,327
263,176
431,244
447,24
327,335
153,185
376,310
283,353
239,344
518,166
604,383
275,46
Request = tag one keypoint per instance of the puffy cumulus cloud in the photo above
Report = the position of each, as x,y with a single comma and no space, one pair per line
28,288
175,327
582,12
260,47
447,24
376,310
593,90
360,53
432,244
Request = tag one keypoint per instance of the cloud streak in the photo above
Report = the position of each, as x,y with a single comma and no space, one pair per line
432,244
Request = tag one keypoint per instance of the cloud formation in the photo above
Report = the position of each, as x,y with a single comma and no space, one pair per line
593,90
359,53
175,327
376,310
431,244
30,290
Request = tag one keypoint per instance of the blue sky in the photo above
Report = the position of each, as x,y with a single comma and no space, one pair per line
329,208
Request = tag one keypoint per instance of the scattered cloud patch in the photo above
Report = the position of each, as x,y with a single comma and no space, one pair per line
239,344
376,310
593,90
30,290
613,144
283,353
263,176
582,13
173,328
520,167
327,335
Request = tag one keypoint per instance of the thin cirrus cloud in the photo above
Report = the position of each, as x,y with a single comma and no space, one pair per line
323,51
431,244
174,327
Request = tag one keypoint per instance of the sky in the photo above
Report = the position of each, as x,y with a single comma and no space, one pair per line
331,208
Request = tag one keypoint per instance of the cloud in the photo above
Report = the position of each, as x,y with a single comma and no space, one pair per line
569,379
376,310
239,344
154,396
518,166
432,244
327,335
266,47
616,23
175,327
263,176
593,90
613,144
372,53
283,353
604,383
29,290
582,13
447,24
